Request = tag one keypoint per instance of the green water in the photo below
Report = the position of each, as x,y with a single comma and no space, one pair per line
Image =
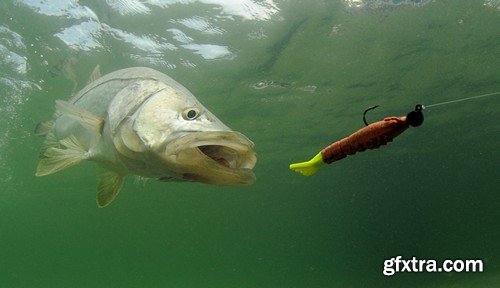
293,83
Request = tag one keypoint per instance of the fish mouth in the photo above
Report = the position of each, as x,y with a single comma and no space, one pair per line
215,157
224,155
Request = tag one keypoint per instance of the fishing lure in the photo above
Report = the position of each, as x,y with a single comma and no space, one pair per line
372,136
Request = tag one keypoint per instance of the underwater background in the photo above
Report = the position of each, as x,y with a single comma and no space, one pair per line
293,76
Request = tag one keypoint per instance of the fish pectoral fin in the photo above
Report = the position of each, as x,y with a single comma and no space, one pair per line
43,128
56,159
85,118
96,74
110,183
130,138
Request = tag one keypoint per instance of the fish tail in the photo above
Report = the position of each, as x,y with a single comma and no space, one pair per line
56,159
50,142
43,128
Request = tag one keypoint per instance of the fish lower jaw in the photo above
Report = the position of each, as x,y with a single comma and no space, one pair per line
212,164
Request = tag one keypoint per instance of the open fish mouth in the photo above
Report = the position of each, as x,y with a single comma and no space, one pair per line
216,157
224,156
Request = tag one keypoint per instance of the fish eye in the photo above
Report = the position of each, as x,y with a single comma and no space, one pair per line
191,113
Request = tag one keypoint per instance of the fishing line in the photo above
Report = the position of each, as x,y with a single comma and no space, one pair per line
460,100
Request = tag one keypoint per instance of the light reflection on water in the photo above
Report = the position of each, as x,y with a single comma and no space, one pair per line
90,33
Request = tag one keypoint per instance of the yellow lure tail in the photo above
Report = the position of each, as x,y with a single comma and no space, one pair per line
310,167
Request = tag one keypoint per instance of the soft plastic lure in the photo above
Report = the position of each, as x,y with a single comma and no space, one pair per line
372,136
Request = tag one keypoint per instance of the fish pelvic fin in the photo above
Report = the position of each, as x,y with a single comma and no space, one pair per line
96,74
43,128
109,185
310,167
88,120
69,153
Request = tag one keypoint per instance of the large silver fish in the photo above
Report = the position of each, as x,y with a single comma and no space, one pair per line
141,121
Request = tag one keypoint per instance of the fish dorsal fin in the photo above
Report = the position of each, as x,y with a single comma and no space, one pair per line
96,74
56,159
109,185
88,120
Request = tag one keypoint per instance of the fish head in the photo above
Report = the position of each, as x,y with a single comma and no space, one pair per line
177,137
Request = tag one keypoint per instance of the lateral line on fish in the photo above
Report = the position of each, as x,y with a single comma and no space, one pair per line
74,101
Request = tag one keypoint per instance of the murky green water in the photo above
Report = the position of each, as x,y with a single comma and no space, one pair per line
293,77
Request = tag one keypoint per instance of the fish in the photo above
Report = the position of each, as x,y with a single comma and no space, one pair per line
140,121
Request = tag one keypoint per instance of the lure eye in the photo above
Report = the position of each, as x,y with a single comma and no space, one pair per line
191,113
